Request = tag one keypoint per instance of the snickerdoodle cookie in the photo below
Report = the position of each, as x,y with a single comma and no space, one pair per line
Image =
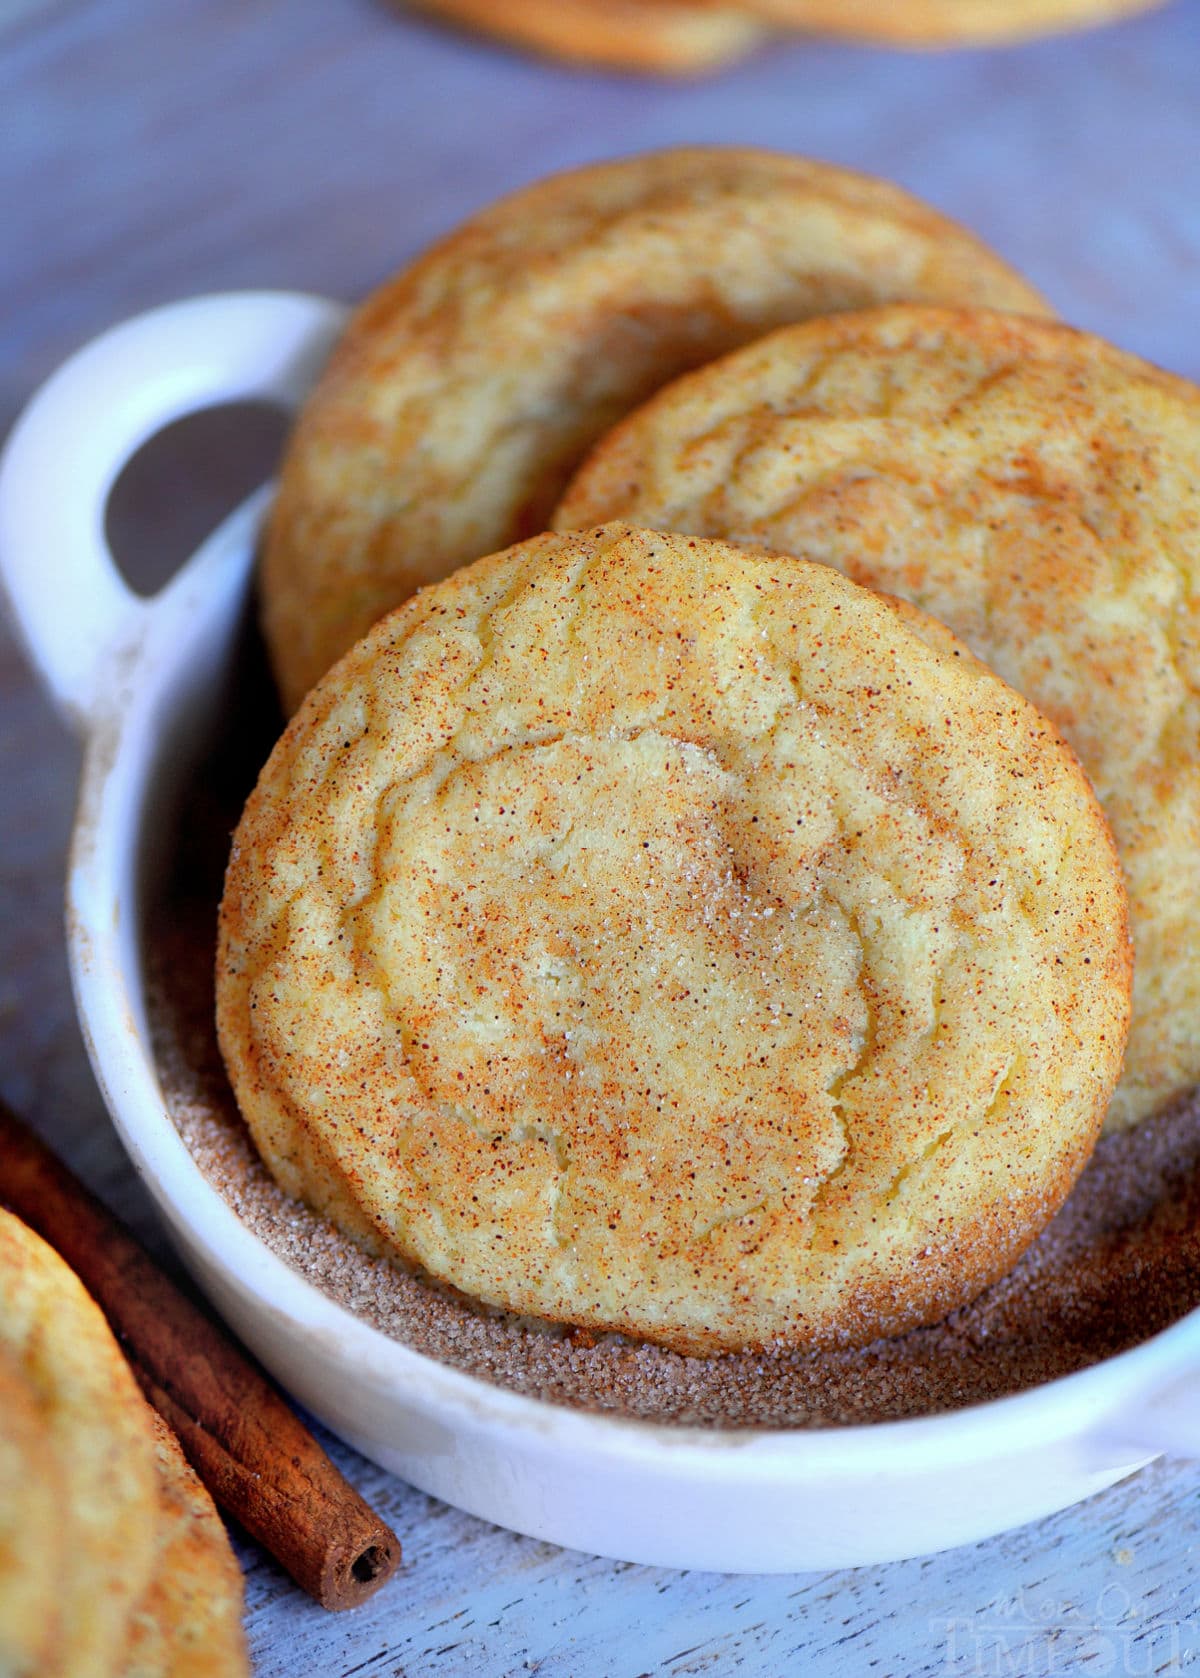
943,23
671,37
143,1582
1033,487
32,1489
652,936
468,388
97,1436
189,1622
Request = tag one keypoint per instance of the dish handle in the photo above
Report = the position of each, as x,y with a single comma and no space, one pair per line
75,613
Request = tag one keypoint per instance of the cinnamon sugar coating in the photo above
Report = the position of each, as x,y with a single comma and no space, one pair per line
32,1489
468,387
189,1622
1033,487
142,1582
98,1433
650,936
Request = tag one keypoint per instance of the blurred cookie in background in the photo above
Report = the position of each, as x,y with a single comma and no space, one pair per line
670,37
943,23
689,37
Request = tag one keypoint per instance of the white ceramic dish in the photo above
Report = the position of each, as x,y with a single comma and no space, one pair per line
143,681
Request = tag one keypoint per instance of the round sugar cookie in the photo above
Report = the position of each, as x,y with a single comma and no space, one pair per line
32,1488
656,937
467,389
1030,485
96,1423
189,1622
671,37
943,23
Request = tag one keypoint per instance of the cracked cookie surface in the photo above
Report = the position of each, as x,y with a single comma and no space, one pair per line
647,935
467,389
1033,487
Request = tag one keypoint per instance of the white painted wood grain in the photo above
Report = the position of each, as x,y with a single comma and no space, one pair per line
152,151
1110,1587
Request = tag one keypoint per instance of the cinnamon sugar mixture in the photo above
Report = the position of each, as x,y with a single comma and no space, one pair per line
1121,1260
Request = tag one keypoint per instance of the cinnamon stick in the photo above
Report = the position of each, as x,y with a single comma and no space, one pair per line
259,1462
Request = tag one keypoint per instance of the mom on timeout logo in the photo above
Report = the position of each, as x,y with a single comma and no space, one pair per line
1032,1635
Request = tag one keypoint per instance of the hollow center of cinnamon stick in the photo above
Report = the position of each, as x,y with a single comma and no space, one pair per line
369,1565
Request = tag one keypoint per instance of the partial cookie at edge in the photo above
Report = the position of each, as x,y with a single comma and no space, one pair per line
189,1622
944,23
96,1421
670,37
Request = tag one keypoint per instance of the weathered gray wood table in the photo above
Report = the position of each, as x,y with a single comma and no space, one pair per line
153,151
